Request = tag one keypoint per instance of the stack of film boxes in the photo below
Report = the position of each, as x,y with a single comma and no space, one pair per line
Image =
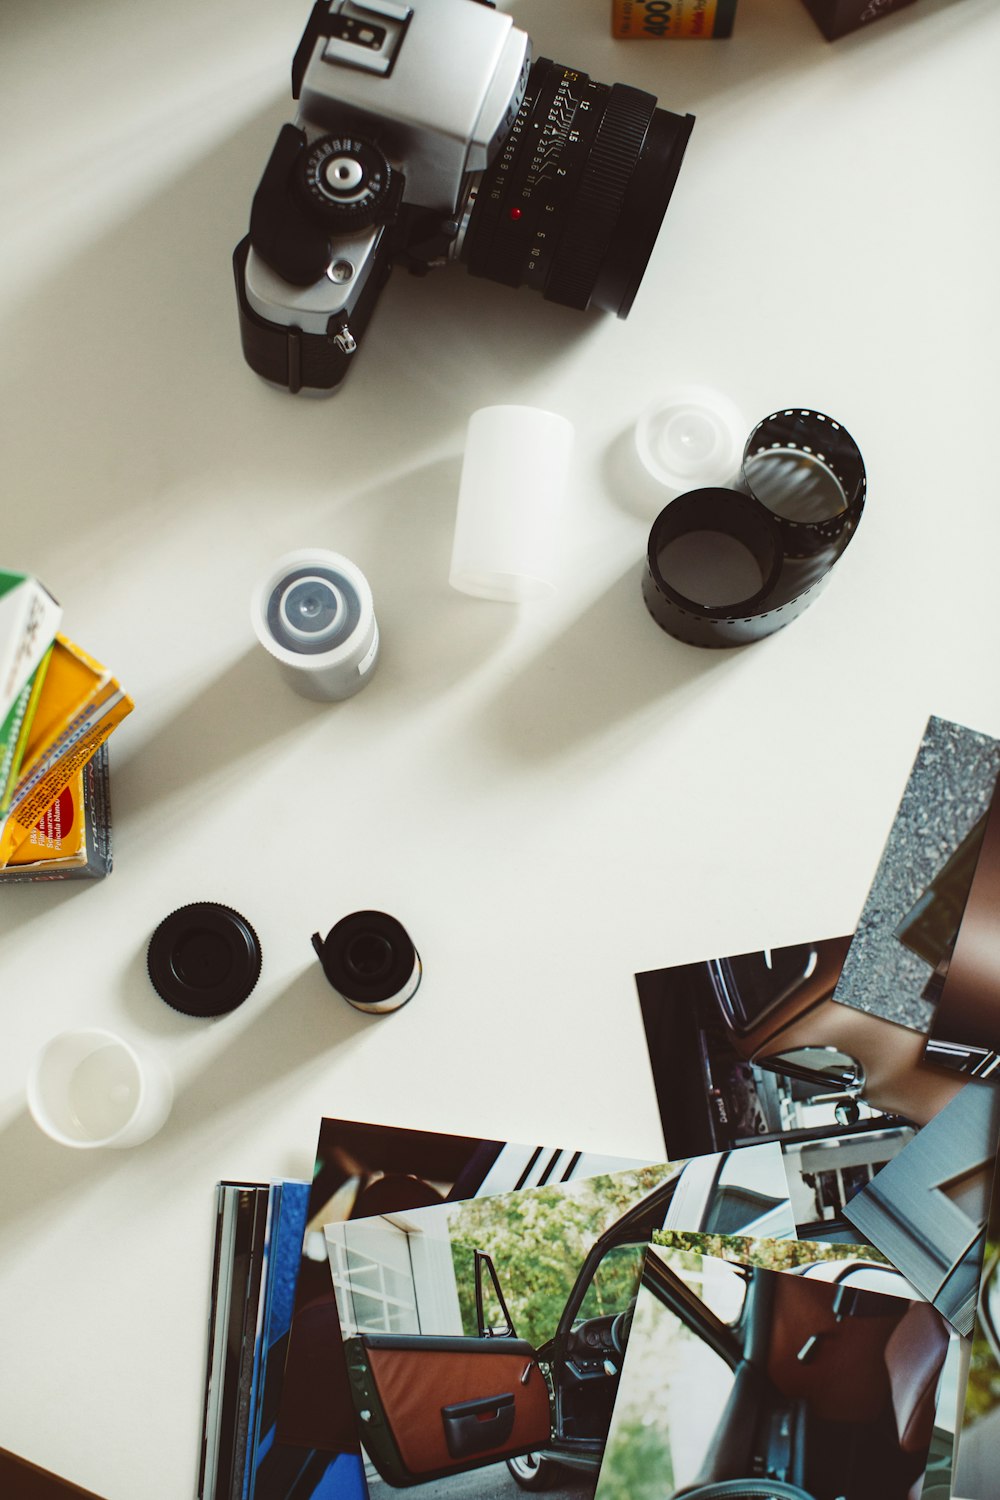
57,708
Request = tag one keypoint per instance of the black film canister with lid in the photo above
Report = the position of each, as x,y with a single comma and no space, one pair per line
370,960
204,959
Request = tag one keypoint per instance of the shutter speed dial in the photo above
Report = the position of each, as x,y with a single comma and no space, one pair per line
347,182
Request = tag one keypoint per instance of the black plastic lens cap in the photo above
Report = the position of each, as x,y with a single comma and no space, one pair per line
204,959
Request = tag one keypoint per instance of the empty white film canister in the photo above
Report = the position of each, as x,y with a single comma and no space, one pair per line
509,502
93,1088
314,613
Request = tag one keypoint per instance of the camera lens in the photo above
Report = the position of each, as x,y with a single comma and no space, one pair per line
574,200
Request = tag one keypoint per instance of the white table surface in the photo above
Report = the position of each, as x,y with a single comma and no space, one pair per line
551,797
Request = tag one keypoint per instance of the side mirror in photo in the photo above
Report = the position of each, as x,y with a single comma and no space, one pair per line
753,1047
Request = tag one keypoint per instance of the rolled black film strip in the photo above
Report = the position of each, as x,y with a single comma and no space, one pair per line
808,471
726,567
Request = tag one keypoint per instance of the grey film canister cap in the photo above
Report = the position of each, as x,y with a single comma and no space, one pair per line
313,612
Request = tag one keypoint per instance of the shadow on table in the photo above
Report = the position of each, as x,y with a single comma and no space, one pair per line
140,330
292,1034
612,675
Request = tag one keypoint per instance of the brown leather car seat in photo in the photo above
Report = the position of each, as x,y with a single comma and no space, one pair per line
845,1378
914,1357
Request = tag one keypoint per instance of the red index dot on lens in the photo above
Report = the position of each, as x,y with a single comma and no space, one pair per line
515,214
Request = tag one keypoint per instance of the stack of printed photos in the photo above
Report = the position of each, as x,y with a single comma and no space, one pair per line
779,1308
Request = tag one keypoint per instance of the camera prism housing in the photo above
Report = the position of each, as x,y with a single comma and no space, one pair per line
426,133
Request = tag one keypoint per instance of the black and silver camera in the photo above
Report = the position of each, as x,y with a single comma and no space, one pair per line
426,133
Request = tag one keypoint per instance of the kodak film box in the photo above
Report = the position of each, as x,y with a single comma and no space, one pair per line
650,19
72,838
79,706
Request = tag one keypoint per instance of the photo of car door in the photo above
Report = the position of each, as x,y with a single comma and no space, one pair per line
430,1406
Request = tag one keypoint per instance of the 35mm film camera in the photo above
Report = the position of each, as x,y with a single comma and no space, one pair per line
426,133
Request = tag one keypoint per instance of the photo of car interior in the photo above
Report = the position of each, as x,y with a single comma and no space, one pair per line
430,1406
745,1383
754,1048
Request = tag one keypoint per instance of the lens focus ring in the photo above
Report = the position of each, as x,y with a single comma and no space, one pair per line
592,219
573,201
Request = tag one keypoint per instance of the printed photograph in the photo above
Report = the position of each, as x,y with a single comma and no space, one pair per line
277,1470
363,1169
977,1461
484,1340
753,1047
897,965
782,1377
927,1209
965,1030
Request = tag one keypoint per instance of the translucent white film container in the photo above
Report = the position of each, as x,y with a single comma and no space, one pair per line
92,1088
314,613
691,438
510,501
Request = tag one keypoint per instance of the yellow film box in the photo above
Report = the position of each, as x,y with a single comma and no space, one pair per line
650,20
72,838
80,704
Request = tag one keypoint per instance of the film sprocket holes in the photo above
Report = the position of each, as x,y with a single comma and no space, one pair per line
427,133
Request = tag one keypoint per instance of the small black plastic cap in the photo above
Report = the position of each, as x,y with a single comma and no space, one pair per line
204,959
369,958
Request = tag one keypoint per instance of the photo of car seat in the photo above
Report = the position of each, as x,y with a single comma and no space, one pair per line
801,1390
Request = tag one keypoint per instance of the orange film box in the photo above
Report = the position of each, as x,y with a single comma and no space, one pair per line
650,20
79,706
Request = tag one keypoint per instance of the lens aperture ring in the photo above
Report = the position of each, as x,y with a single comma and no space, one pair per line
505,171
592,219
558,148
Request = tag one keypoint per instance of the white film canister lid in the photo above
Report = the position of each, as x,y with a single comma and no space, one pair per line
510,500
691,438
313,611
92,1088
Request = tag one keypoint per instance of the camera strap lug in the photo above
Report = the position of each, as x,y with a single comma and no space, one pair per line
345,340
